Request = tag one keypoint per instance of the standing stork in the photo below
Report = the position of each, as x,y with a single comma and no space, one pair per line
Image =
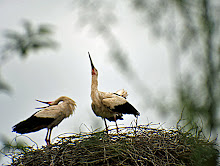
48,117
108,105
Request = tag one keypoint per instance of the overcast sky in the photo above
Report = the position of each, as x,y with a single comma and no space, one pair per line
48,74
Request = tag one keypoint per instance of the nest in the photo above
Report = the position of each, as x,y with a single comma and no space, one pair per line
140,145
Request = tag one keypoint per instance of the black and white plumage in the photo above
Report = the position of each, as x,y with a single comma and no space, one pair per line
48,117
108,105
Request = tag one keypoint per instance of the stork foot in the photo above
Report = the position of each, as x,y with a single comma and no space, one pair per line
47,141
117,129
106,131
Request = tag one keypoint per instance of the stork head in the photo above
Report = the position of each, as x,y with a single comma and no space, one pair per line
94,70
58,101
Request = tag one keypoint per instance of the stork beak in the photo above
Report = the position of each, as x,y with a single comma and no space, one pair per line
45,102
49,104
91,61
42,107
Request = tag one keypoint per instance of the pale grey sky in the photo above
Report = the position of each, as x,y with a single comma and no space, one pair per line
48,74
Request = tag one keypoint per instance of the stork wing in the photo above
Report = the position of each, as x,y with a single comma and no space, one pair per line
119,104
113,101
33,123
49,112
39,120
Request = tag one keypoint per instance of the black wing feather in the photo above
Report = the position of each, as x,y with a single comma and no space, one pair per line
126,108
32,124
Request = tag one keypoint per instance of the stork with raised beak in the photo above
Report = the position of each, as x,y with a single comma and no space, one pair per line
108,105
48,117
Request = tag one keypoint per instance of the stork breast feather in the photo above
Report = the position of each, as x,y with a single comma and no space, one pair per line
113,101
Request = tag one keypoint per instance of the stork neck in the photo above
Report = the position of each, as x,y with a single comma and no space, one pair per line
94,86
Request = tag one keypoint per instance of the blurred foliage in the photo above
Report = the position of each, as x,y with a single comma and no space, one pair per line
3,85
191,29
101,17
31,39
193,36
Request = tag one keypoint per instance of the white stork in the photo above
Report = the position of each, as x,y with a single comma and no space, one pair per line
48,117
108,105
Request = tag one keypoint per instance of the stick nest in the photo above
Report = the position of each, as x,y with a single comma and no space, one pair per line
140,145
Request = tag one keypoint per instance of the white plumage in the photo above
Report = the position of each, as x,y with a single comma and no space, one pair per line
108,105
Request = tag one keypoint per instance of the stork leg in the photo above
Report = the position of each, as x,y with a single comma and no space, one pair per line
116,123
47,136
47,139
106,125
136,124
136,120
50,135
